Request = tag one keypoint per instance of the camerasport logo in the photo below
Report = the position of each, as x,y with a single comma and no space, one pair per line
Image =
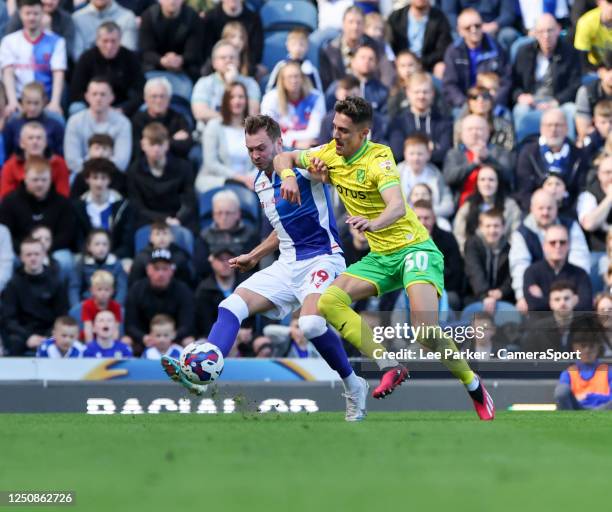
203,406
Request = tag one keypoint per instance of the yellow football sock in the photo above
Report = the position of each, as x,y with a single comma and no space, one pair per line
335,306
440,342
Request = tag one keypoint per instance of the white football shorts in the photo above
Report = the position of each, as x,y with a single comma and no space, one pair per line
287,283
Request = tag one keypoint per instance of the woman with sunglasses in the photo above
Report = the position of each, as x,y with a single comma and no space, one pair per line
480,102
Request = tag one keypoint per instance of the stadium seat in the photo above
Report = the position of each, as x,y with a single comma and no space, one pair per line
182,237
249,205
286,15
274,49
75,312
316,40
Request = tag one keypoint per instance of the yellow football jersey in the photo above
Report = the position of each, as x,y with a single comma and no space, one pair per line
359,182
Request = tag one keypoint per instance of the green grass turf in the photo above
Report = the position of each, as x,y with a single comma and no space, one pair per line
411,461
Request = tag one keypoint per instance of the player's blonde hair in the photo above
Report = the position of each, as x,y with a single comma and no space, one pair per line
102,278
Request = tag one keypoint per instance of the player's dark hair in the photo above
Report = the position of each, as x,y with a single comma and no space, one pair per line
562,284
357,109
422,203
99,166
66,321
102,139
28,3
253,124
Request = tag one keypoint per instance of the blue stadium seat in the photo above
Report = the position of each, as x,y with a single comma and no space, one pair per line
249,205
286,15
75,312
317,39
274,49
182,237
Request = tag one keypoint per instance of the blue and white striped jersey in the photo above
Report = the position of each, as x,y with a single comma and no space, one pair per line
49,349
304,231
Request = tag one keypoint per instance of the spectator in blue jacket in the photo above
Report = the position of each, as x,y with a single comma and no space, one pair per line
364,66
421,116
475,53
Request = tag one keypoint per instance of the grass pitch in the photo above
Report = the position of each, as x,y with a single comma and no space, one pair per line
410,461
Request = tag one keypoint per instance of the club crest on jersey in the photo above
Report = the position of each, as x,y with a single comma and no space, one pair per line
360,175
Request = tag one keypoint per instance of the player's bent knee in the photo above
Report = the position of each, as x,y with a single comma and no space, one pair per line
236,304
327,302
312,326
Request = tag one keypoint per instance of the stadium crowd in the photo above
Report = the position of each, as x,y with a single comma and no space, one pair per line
126,186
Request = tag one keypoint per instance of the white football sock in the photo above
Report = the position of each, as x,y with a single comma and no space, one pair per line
351,383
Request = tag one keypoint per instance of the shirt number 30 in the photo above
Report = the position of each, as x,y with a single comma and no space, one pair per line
418,259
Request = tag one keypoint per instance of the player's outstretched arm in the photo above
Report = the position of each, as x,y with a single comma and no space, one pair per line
246,262
283,166
394,210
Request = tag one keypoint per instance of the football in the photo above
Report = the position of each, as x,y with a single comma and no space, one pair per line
202,362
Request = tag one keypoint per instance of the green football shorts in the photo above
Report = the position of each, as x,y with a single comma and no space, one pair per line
417,263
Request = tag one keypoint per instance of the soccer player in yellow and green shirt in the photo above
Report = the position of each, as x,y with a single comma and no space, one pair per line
402,254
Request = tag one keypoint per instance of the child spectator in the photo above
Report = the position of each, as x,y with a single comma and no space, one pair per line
602,120
555,186
406,64
422,192
103,207
162,237
160,341
374,27
97,256
236,34
490,81
33,101
63,342
105,342
416,168
33,53
586,384
297,48
486,262
159,184
45,237
102,288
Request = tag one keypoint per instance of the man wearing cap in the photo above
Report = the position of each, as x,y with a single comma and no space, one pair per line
217,286
158,293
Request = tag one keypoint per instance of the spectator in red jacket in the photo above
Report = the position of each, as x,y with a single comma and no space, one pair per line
33,142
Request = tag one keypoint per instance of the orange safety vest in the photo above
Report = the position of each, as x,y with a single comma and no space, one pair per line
598,384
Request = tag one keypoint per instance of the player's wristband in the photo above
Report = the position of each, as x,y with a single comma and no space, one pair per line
287,173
